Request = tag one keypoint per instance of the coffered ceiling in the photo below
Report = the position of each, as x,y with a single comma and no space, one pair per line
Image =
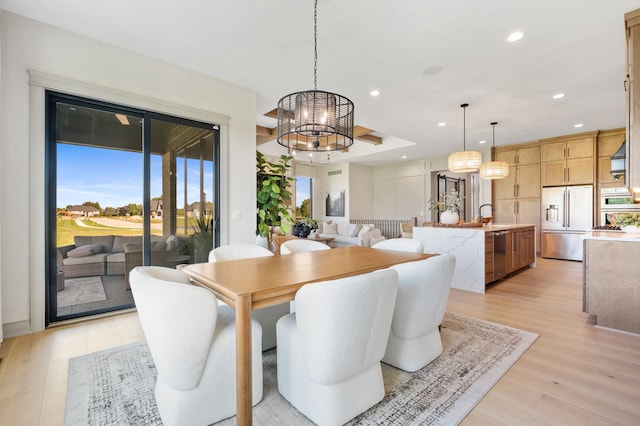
426,57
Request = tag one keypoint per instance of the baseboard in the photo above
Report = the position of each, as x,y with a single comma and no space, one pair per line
15,329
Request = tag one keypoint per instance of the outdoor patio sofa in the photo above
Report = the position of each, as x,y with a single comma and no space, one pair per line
117,254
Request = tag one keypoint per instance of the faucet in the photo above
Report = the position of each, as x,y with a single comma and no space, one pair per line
483,205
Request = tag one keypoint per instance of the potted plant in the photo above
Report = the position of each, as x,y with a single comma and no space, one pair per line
304,227
273,196
448,205
201,240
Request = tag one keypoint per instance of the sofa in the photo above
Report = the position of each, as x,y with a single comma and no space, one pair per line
348,234
117,254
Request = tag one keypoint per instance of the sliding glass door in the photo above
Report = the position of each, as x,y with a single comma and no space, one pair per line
126,187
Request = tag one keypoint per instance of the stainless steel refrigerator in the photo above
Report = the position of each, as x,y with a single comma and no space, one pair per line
567,214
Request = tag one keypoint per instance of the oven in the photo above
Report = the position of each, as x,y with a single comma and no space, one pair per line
616,201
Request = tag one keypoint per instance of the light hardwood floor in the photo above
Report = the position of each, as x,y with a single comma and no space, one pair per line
574,374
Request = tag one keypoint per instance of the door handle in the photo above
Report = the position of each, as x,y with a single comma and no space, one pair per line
568,205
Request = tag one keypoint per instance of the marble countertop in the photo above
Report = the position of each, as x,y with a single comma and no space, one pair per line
613,236
491,227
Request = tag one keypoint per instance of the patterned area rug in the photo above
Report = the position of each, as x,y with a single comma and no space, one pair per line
81,290
116,386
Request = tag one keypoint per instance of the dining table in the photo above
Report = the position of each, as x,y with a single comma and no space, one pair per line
254,283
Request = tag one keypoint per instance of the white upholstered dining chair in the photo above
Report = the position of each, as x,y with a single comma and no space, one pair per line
192,341
267,317
302,245
400,244
329,351
423,292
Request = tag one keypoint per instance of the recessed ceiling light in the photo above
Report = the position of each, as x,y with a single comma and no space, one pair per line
433,70
558,96
578,125
442,124
515,36
404,157
374,93
482,141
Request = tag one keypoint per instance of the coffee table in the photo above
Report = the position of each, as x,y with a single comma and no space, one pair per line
325,240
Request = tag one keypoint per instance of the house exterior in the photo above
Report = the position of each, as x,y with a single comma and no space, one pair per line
84,211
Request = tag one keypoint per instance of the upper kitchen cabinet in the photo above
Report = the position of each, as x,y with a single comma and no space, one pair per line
608,143
632,26
568,160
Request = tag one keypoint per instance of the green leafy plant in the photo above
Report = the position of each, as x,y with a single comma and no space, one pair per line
273,195
310,222
628,219
200,242
450,201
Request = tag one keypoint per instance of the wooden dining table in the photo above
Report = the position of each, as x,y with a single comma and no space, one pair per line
255,283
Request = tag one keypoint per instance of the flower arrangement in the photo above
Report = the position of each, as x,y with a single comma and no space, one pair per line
448,201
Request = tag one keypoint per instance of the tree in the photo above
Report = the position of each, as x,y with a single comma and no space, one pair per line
304,210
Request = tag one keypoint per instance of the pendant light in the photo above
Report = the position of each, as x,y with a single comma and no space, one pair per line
494,169
464,161
315,120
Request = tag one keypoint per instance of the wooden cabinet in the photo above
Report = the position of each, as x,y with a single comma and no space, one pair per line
488,258
524,250
607,144
516,198
632,27
508,251
568,160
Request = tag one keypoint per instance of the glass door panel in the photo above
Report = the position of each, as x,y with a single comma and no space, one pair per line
98,200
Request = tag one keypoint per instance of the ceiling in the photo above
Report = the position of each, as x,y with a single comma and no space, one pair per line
426,57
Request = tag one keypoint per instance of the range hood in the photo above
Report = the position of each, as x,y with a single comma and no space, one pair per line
618,162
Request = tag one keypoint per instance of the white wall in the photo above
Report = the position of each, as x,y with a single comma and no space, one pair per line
117,75
401,190
360,192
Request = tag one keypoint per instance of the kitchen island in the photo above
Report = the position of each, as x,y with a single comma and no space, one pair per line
611,288
483,254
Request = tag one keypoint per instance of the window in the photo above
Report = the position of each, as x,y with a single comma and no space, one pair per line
304,205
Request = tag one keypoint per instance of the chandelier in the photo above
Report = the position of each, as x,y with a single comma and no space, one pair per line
315,120
494,169
464,161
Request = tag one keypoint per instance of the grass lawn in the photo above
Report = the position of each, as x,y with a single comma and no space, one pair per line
67,229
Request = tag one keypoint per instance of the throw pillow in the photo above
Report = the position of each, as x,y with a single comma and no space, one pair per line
330,228
84,251
354,228
173,243
363,230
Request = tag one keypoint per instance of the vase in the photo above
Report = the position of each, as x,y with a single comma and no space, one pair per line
449,217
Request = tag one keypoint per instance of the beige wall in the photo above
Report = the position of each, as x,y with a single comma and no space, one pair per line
119,76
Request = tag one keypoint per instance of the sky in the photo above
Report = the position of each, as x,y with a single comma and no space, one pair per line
303,189
113,178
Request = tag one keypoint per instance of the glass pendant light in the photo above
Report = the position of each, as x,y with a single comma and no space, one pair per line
494,169
464,161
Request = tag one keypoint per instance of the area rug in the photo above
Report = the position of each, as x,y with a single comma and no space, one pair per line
81,290
116,386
